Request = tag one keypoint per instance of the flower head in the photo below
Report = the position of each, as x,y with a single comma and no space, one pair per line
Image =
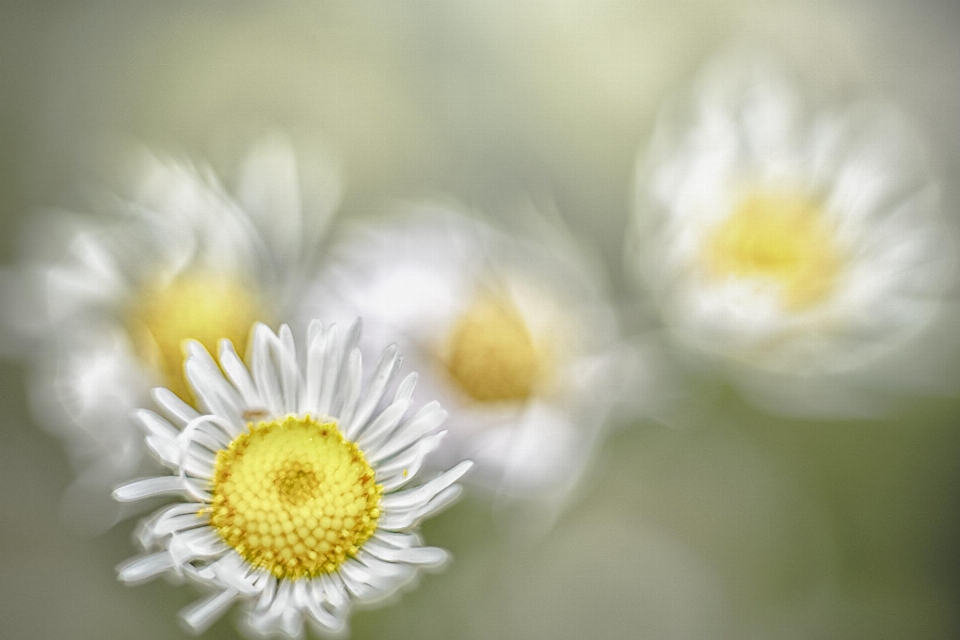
513,330
296,482
180,258
788,239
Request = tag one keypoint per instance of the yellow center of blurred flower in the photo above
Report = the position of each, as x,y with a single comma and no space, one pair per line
780,237
294,497
491,354
199,306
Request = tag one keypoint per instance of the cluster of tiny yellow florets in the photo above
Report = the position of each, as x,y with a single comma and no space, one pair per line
491,354
294,497
782,237
196,305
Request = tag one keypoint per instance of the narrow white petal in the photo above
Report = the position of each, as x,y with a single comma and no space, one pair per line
156,425
198,352
289,369
377,431
148,488
352,336
405,388
440,502
175,408
396,539
309,595
166,450
314,378
203,542
430,416
237,373
147,530
314,329
386,577
404,467
215,393
331,370
349,393
178,523
357,579
145,568
421,556
201,614
264,372
335,590
387,367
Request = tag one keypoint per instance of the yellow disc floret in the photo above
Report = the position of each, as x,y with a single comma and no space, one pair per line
491,354
781,237
294,497
196,305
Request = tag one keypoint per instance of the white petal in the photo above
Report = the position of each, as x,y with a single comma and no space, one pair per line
145,568
423,556
405,388
215,393
403,467
315,354
430,416
308,595
263,369
349,392
387,367
331,370
175,408
396,539
360,581
156,425
165,449
314,329
335,590
201,614
237,373
289,369
378,430
148,488
147,530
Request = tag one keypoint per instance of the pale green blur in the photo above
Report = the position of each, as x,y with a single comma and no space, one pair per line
725,522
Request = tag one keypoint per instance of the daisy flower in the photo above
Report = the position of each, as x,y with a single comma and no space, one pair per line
105,302
800,245
295,482
515,335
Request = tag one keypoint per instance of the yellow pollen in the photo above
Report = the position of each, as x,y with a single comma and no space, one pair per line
294,497
780,237
491,354
199,306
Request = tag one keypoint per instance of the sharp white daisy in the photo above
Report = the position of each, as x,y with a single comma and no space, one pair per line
107,300
514,334
788,238
295,482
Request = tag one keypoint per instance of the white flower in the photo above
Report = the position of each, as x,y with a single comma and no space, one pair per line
516,336
800,246
103,303
295,482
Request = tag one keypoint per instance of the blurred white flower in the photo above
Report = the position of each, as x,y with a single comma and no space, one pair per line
799,246
294,480
102,304
513,332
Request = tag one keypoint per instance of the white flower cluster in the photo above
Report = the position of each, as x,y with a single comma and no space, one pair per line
795,247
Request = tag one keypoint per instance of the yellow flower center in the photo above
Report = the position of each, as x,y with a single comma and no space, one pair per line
199,306
294,497
491,354
780,237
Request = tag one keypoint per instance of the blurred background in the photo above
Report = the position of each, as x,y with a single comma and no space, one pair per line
717,521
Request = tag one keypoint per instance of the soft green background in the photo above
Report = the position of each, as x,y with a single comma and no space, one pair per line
725,523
